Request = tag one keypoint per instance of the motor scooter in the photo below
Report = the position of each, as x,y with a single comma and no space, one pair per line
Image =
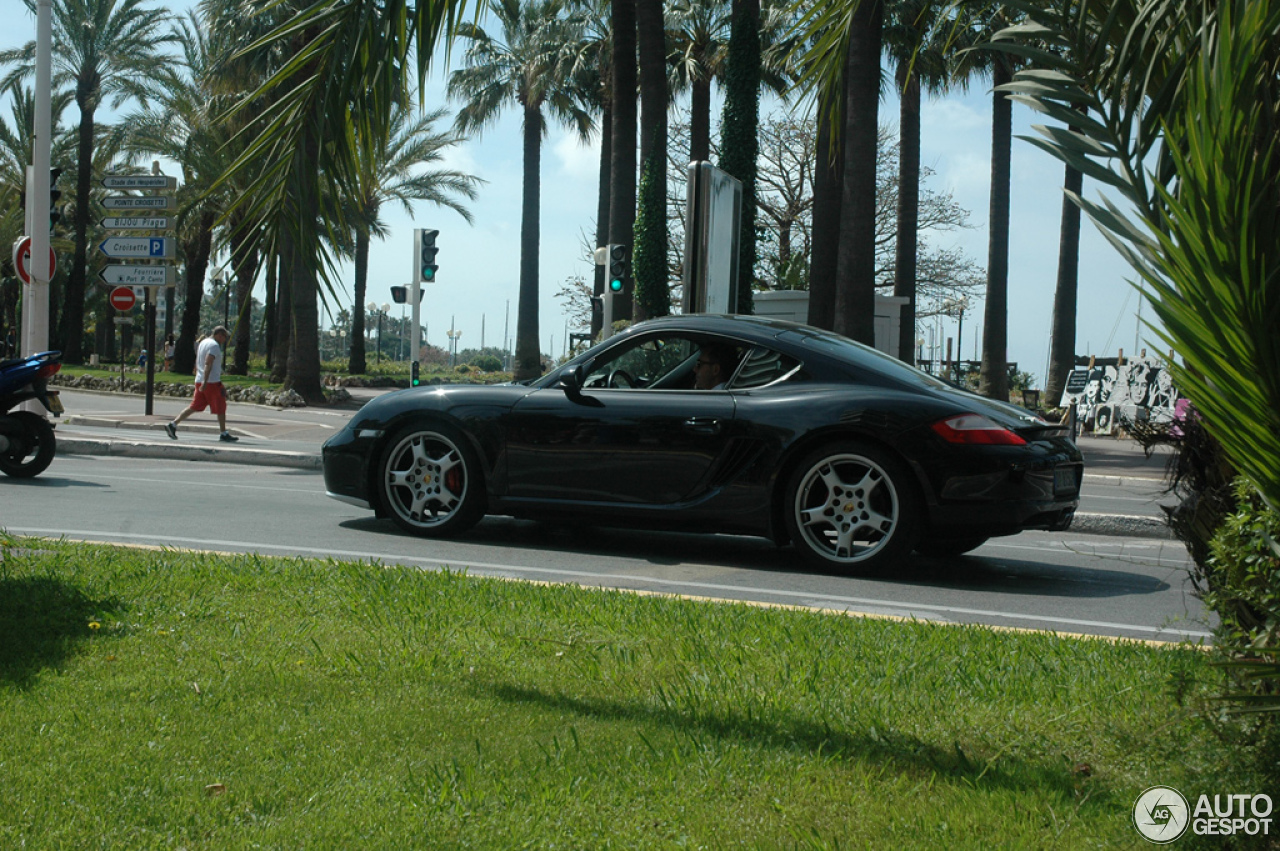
27,444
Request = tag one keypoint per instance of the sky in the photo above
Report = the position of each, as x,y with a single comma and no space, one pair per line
476,290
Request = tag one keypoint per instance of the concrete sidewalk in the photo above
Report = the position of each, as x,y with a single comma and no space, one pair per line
113,424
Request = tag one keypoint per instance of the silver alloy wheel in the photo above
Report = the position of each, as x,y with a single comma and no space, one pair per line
425,479
846,508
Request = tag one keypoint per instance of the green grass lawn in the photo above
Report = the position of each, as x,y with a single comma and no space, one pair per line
157,699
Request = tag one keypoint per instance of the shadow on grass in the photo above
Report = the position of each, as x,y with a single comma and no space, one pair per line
42,622
901,752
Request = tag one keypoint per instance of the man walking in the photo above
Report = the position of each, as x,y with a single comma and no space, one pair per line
209,390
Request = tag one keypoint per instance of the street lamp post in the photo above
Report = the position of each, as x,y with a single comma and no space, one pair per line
453,346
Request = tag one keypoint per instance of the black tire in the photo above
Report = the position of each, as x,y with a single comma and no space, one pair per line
31,454
429,481
948,547
852,506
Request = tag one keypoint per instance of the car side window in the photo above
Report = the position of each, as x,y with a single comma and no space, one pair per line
642,365
763,366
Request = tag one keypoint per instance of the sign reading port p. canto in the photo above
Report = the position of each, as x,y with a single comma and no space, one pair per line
140,181
144,247
139,276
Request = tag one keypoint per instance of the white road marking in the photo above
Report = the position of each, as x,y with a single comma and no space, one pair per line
828,600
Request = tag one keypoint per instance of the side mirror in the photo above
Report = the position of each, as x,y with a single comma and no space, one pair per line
571,379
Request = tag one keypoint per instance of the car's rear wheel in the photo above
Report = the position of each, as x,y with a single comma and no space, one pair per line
947,547
852,506
430,481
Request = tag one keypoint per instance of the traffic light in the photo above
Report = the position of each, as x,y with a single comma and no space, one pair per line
619,268
54,194
427,254
414,381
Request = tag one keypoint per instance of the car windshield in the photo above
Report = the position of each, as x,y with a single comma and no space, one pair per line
866,357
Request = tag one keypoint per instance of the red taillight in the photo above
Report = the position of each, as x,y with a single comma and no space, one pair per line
975,429
48,370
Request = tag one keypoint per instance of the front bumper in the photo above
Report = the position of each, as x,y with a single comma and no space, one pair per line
347,460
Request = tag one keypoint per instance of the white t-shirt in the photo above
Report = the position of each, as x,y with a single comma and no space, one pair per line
208,346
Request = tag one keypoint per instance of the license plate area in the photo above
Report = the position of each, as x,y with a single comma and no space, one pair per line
55,404
1066,480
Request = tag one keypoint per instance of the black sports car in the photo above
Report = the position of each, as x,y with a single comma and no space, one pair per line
851,455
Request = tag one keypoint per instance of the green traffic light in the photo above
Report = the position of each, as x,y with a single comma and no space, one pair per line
616,285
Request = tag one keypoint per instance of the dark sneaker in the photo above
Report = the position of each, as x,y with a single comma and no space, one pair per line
228,437
171,430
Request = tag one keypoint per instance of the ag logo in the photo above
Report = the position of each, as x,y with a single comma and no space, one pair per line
1161,814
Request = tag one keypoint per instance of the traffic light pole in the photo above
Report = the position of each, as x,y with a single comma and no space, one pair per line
35,313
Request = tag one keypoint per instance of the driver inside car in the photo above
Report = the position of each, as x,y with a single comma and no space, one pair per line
715,365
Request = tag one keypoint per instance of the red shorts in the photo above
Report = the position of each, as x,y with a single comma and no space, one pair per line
211,396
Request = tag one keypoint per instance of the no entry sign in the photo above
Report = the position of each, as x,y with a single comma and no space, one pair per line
122,298
22,260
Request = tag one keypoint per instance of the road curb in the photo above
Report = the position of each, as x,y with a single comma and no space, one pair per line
1131,525
189,452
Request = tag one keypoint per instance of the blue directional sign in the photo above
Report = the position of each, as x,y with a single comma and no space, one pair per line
153,247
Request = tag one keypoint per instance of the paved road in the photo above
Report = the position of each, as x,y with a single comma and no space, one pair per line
1069,582
1121,495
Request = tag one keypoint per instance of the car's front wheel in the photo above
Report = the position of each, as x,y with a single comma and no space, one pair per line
430,481
852,506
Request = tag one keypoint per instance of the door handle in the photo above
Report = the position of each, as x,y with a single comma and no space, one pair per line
703,425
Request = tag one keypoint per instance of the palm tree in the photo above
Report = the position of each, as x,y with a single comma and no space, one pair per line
993,380
185,126
533,66
1176,126
837,45
622,131
393,174
103,49
699,35
739,144
855,257
915,41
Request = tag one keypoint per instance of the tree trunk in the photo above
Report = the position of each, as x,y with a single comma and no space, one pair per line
304,350
856,256
1062,336
269,312
651,44
602,207
739,130
357,364
71,328
283,330
622,166
828,174
904,264
197,253
994,379
700,121
244,265
528,356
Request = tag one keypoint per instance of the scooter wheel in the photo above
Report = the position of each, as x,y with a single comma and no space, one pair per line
31,454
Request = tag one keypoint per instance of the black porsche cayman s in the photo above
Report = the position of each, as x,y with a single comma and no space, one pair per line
848,454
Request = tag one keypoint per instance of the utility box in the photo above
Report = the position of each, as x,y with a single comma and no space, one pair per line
794,306
713,217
